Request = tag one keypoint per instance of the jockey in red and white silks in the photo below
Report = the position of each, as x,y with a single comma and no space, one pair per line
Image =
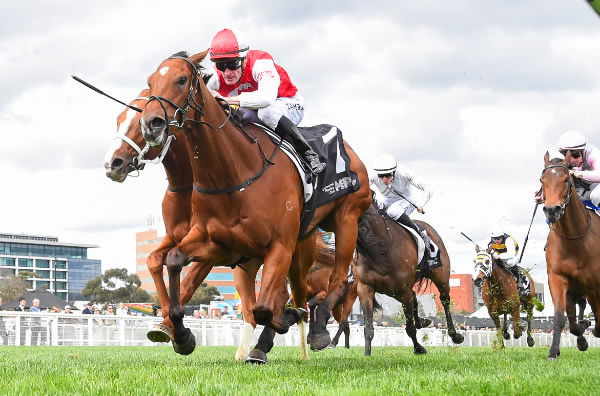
252,80
264,86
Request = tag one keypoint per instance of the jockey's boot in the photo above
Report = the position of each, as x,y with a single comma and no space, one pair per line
287,130
407,221
516,273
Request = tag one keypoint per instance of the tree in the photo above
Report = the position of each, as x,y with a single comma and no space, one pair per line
204,295
12,287
116,285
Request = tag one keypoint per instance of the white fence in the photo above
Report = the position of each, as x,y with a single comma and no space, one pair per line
18,328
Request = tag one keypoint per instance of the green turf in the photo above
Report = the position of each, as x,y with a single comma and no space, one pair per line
211,370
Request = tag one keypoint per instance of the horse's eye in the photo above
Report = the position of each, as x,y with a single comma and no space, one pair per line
487,261
182,80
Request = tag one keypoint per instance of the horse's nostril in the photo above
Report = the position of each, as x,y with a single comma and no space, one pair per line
116,163
156,124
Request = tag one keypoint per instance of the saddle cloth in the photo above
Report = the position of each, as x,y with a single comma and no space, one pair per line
334,182
425,263
588,204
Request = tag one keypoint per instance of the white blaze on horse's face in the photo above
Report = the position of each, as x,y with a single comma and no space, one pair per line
163,70
122,129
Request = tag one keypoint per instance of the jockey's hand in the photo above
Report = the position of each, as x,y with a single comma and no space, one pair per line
539,196
576,173
420,209
477,249
215,94
495,256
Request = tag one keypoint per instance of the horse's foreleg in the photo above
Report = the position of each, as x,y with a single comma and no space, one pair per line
271,300
243,279
529,308
366,294
155,263
302,260
558,289
444,289
498,342
183,340
406,298
516,318
265,342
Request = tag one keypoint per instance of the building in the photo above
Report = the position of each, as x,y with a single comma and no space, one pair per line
61,268
220,277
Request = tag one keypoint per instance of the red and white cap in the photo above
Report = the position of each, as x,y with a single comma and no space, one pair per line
226,44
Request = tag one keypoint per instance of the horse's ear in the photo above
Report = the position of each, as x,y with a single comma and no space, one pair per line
199,57
546,159
567,160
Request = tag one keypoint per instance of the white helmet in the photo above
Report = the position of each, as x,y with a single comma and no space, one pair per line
385,163
571,140
496,232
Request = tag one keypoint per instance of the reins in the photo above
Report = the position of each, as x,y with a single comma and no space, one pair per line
566,202
180,118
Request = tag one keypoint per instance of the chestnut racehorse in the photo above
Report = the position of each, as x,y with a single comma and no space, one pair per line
126,156
501,297
387,262
245,203
572,251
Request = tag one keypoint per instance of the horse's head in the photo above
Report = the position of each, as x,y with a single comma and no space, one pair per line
557,186
173,89
125,154
483,267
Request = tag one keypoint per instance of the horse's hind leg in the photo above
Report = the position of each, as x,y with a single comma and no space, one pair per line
575,328
419,322
264,345
366,294
183,340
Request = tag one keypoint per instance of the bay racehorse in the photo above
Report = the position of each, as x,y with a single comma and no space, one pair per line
127,155
245,203
387,263
501,297
572,251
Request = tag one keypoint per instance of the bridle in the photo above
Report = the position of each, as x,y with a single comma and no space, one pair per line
180,115
566,202
139,162
180,118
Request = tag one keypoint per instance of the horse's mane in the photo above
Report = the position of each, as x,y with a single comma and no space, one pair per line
184,54
368,243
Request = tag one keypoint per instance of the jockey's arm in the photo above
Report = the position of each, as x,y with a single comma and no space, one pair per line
428,192
265,74
592,175
510,256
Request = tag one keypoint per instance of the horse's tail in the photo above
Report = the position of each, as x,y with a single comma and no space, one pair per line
376,305
539,306
422,282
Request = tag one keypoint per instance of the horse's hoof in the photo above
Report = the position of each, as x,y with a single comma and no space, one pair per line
318,342
256,356
294,315
332,345
160,333
457,338
585,324
420,350
582,343
507,336
187,345
530,341
551,358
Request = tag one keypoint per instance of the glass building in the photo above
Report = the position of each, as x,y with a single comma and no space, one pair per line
61,268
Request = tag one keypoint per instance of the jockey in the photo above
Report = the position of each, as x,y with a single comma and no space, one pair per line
251,79
393,193
585,165
506,254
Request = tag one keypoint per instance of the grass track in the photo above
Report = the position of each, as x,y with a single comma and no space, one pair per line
212,371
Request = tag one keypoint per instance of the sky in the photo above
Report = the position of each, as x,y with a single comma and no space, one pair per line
467,95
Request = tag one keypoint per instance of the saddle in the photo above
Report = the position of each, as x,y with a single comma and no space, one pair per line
326,140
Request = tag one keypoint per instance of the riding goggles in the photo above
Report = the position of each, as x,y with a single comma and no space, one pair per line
574,154
231,65
385,175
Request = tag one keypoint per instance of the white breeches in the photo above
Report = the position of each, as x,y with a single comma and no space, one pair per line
292,108
397,206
